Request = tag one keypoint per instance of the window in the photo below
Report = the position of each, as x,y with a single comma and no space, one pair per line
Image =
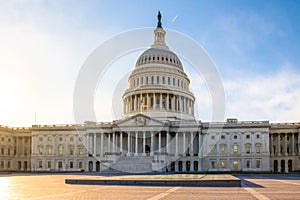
152,80
80,165
40,139
71,139
40,164
257,164
49,164
2,151
137,81
2,164
40,150
235,136
235,165
222,148
223,137
8,164
60,139
49,150
213,165
142,80
173,81
60,149
248,149
163,80
49,139
8,151
169,81
257,136
157,79
80,151
71,152
147,80
9,140
223,164
2,139
235,148
59,164
71,165
213,149
257,149
212,137
248,163
247,136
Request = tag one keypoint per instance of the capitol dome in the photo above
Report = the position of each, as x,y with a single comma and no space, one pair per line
158,85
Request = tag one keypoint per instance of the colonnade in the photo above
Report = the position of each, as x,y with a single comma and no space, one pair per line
136,143
284,144
158,101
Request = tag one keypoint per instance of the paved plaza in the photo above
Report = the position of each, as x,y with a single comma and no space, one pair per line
44,186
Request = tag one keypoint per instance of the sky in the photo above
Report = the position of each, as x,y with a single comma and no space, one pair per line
255,46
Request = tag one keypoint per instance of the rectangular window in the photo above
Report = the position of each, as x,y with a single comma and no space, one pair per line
80,165
213,165
235,148
8,164
248,149
49,164
59,164
40,150
248,163
257,163
257,136
2,151
222,148
49,150
152,80
169,81
257,149
2,164
40,164
81,151
235,165
8,151
157,79
163,80
71,165
71,152
142,80
223,164
137,81
223,137
147,80
247,136
173,81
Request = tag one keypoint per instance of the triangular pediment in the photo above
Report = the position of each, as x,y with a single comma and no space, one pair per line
139,120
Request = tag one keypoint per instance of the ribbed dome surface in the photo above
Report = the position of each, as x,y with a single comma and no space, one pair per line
156,55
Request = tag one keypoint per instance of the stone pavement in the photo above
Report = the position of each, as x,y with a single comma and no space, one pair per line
45,186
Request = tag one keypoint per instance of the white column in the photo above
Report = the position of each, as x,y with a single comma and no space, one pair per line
199,145
95,144
152,144
154,101
176,144
160,101
144,143
108,143
285,144
87,144
136,143
23,146
271,144
278,147
121,143
113,141
148,101
128,144
102,149
159,142
293,144
168,142
167,102
192,145
184,147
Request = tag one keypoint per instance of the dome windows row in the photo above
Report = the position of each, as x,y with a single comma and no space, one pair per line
164,80
159,59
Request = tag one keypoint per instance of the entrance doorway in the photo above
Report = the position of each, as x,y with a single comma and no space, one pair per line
180,166
172,166
90,166
19,165
147,148
188,166
235,165
97,166
195,166
275,166
290,165
282,166
25,165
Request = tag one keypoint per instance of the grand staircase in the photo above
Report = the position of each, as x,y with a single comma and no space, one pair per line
133,164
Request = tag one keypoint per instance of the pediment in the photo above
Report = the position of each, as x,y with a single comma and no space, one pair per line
139,120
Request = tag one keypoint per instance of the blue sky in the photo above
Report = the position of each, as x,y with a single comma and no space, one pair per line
254,44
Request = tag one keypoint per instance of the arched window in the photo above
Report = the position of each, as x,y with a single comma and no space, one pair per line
235,148
60,149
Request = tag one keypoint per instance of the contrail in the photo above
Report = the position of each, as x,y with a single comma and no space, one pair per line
173,20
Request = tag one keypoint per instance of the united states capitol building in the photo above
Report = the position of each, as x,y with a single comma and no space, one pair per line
158,132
